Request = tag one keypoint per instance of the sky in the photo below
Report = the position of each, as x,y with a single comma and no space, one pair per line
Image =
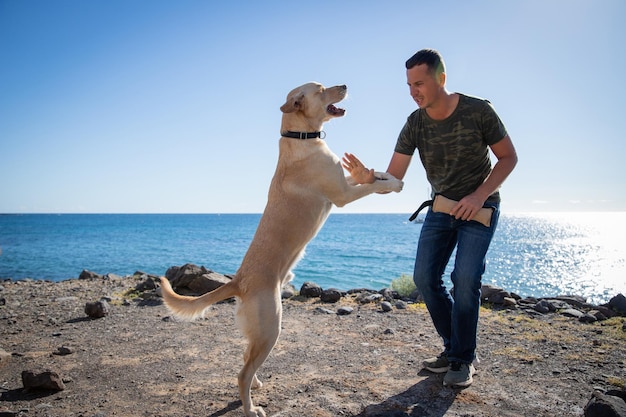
152,106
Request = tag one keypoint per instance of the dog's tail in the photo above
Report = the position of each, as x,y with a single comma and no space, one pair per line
190,308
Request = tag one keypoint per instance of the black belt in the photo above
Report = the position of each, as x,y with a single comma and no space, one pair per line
422,207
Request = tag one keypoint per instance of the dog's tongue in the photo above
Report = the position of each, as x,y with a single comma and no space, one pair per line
335,111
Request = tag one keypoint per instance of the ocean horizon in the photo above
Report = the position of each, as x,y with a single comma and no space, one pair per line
532,254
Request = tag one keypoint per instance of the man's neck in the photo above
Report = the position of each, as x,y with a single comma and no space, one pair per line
444,107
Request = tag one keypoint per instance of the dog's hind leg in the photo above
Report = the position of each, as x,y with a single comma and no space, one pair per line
259,319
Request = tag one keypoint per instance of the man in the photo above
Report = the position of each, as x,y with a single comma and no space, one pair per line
453,133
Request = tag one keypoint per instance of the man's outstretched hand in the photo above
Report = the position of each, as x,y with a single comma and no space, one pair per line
359,173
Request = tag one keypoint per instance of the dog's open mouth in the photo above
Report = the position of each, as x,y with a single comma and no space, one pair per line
335,111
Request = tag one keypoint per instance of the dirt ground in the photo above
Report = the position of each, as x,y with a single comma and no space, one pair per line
138,361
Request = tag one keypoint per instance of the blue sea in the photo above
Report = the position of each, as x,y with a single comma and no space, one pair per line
538,254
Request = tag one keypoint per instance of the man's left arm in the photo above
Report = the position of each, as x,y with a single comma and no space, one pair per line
504,151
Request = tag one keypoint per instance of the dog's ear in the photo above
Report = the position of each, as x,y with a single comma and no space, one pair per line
293,104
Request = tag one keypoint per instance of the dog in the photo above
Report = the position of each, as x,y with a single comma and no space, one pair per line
308,180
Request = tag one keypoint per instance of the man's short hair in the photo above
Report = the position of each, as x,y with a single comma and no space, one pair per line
431,58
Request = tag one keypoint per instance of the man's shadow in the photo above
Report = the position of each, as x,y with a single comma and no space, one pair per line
427,398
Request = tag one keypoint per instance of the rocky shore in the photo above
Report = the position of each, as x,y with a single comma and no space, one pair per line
104,345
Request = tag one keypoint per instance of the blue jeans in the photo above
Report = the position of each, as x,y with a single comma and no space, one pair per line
455,317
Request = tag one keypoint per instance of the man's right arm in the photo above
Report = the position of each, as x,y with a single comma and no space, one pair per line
399,164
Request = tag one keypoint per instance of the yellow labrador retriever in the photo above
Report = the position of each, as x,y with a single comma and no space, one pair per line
308,180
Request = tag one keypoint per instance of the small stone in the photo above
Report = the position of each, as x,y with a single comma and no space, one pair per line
147,285
4,357
288,291
509,301
42,380
572,312
324,310
588,318
344,311
63,350
97,309
386,306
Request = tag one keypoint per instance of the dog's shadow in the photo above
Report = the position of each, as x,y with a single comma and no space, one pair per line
427,398
233,405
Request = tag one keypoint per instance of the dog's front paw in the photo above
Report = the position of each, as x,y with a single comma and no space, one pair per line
383,176
390,182
397,185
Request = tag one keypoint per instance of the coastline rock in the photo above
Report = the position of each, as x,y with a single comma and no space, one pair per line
604,405
149,284
42,380
310,290
618,304
574,300
365,298
193,279
388,294
493,294
85,274
330,295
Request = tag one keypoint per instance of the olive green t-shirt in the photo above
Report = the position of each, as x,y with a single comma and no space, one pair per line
454,151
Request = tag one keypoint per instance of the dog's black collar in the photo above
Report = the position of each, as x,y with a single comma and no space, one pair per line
304,135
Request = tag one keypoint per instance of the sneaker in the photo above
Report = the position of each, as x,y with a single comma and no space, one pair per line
438,364
459,375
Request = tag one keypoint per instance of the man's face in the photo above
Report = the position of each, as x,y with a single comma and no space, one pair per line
423,86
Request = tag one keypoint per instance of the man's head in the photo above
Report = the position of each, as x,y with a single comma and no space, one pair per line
426,77
429,57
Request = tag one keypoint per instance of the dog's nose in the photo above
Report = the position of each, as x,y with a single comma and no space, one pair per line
343,87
